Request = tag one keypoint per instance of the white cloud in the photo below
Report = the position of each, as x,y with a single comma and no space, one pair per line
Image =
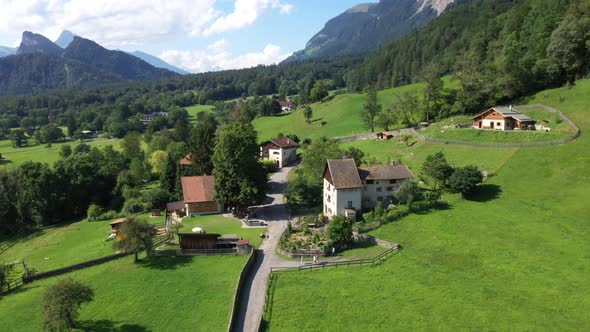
115,23
109,22
245,13
217,57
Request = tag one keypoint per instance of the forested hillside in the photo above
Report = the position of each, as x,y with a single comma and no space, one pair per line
499,49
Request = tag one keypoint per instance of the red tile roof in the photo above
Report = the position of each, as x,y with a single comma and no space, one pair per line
186,160
198,189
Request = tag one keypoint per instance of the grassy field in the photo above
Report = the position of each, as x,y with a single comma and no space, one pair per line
193,111
217,223
40,153
341,114
63,245
515,257
559,130
159,294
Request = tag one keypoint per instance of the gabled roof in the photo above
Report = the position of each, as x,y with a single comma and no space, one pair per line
508,112
283,143
186,160
198,189
391,172
343,173
285,103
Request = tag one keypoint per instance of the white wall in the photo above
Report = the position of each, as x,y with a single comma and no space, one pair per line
370,194
339,199
488,123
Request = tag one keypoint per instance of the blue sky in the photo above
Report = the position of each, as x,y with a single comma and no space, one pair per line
198,35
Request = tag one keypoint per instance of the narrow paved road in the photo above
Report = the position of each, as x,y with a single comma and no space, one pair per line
275,213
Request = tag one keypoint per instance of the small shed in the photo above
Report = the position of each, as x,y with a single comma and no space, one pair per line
202,241
385,135
176,209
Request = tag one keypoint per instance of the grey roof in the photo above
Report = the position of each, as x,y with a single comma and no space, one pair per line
391,172
343,173
509,112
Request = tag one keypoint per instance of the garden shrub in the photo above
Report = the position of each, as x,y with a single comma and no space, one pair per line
93,213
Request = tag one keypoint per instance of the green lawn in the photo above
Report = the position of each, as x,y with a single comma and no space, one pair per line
160,294
515,257
39,153
217,223
63,245
193,111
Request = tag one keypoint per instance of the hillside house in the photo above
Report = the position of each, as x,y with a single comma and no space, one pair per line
199,195
282,151
349,189
147,118
287,105
502,118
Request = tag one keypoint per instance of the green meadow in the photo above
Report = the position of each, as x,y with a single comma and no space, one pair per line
41,153
62,245
513,257
217,223
158,294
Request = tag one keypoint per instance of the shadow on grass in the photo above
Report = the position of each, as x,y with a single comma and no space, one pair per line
19,289
105,325
316,120
166,262
438,206
485,193
5,161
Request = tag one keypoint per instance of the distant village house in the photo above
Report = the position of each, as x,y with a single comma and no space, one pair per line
349,189
147,118
287,105
282,151
502,118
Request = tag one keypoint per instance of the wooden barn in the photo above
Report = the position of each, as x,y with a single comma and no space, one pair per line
199,195
116,226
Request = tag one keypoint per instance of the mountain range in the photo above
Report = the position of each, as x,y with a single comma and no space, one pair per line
366,27
40,65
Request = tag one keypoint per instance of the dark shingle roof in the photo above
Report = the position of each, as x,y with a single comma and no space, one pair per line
391,172
198,189
344,173
175,206
284,142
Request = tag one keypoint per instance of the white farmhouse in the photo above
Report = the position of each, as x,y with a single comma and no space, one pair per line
502,118
282,151
348,189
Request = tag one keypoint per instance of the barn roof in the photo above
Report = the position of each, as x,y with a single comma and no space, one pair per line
198,189
391,172
175,206
343,173
507,112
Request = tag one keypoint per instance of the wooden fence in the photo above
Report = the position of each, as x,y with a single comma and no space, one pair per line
302,253
241,279
10,284
368,261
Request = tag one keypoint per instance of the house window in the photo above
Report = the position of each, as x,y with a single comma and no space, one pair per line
350,204
392,181
380,199
379,189
329,199
498,124
275,152
369,181
389,189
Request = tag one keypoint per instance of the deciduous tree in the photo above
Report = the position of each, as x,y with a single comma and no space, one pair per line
61,303
137,236
371,109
